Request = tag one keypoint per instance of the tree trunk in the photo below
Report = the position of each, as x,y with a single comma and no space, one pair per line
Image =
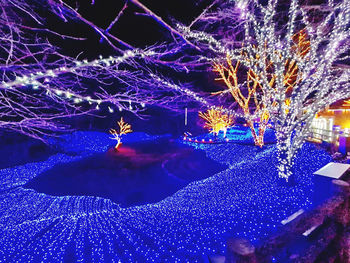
284,157
119,143
258,138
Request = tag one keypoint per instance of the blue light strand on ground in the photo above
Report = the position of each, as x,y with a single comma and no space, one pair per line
244,200
235,134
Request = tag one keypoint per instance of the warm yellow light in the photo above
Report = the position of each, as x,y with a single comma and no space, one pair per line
124,128
265,116
346,103
248,97
216,120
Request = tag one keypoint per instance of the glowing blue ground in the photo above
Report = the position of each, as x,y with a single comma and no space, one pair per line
235,134
244,200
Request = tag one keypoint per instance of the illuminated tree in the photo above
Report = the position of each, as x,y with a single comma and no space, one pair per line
248,103
124,128
296,58
252,103
216,120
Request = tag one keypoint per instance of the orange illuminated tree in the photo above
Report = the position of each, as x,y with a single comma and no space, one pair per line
249,94
216,120
124,128
248,101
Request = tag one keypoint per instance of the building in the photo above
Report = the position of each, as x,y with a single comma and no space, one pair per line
333,126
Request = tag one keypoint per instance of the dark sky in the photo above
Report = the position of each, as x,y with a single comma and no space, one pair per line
133,27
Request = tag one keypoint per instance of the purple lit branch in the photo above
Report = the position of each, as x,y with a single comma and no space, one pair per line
40,86
23,52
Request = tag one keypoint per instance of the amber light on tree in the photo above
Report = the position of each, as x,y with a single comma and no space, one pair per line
290,78
124,128
249,103
248,95
216,120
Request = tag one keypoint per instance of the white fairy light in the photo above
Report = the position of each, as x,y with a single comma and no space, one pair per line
318,83
59,92
68,95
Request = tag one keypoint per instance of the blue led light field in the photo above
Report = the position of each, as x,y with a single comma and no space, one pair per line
245,200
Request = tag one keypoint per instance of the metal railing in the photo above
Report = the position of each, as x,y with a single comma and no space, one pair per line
331,136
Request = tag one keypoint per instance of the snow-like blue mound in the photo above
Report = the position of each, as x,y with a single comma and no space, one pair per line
246,199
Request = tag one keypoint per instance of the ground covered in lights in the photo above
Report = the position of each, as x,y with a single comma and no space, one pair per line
245,199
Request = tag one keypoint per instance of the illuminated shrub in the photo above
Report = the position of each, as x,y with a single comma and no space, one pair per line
216,120
124,128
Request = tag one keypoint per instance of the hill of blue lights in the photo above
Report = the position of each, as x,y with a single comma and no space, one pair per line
247,199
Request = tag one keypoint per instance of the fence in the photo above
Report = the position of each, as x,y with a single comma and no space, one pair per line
331,136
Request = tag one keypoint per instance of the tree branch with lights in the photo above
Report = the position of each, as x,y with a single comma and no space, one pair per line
294,64
292,68
41,86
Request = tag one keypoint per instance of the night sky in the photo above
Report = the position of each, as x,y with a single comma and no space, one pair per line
133,27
